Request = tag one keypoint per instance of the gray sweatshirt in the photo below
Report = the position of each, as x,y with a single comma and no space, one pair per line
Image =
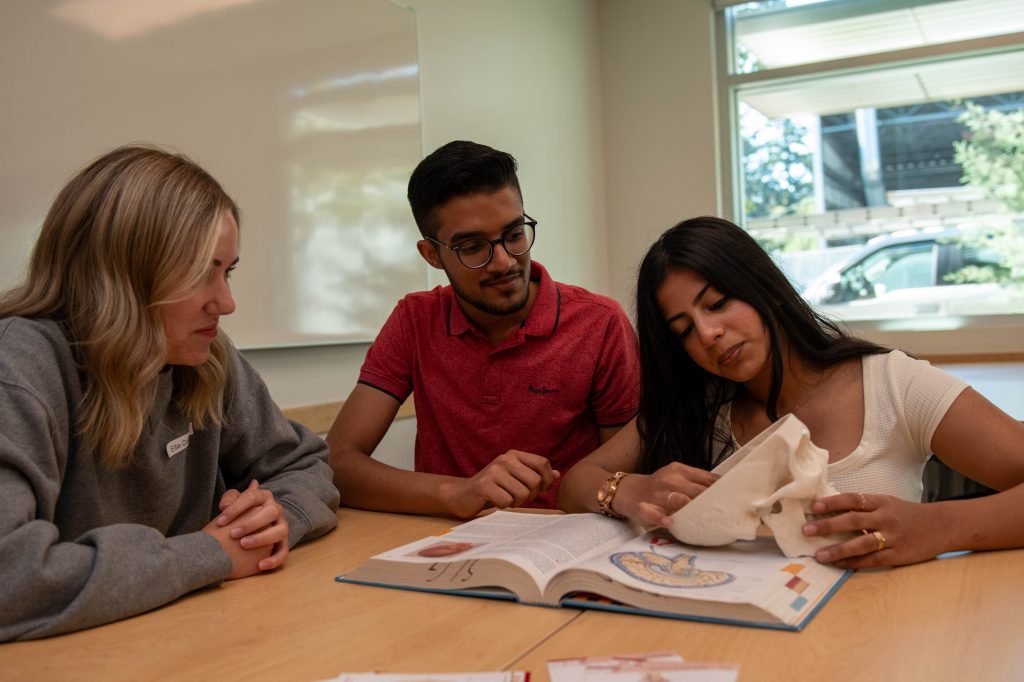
81,544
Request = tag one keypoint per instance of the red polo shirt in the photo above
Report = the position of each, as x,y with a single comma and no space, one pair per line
571,367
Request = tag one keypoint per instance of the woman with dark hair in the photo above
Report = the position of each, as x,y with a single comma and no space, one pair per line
141,457
727,347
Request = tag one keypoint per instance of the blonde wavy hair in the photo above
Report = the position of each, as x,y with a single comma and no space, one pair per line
133,231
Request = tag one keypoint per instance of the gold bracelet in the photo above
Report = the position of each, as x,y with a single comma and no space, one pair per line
606,494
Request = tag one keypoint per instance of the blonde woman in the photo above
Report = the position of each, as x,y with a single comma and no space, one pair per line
141,457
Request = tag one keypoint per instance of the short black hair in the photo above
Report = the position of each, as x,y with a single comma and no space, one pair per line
457,169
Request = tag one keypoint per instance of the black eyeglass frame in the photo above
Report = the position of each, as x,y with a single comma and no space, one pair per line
491,243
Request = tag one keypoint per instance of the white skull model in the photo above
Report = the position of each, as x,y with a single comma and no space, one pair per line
772,480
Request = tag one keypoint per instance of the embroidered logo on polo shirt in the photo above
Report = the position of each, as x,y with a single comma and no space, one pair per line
178,444
543,390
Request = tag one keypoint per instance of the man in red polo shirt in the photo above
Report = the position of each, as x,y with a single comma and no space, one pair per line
517,377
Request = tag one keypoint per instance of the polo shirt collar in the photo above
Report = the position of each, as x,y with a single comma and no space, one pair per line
543,317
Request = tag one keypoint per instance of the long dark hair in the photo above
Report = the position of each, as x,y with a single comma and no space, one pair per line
679,401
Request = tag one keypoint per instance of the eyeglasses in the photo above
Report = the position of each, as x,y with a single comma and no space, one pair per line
476,253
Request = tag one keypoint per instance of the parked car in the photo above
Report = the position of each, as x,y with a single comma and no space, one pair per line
906,275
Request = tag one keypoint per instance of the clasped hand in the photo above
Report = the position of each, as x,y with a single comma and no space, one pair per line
510,480
251,529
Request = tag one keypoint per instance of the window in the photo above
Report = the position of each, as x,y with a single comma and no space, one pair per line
875,151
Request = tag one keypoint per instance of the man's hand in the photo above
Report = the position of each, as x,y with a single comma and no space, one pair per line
511,480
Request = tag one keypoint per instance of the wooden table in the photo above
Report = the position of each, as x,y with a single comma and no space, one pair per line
953,619
298,624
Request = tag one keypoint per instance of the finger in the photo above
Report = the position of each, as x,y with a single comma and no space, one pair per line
536,481
678,484
545,472
256,518
648,514
675,501
276,558
518,492
686,479
844,502
230,496
499,488
526,476
547,482
691,489
702,478
548,478
858,546
541,466
688,473
250,498
496,496
873,560
266,536
843,523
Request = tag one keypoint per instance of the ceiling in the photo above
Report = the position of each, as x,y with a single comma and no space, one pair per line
847,28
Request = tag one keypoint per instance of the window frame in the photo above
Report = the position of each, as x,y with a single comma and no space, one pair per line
999,337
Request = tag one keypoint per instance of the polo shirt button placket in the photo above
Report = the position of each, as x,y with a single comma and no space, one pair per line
491,388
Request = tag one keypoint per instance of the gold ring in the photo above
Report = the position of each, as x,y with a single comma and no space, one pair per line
863,502
881,540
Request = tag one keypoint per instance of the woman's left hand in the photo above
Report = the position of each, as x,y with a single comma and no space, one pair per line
258,521
891,532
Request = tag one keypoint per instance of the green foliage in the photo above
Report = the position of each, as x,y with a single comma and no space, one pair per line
992,155
796,242
992,158
777,171
975,274
776,159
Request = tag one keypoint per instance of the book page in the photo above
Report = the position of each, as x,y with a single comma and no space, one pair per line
541,544
751,572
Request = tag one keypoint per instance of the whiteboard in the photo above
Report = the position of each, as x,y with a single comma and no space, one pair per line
307,111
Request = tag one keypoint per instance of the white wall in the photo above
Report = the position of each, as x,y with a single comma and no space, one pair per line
522,76
658,102
305,116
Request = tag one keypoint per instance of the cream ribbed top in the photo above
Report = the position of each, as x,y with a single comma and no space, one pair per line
904,401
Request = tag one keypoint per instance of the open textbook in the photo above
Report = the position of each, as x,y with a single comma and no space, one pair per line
594,562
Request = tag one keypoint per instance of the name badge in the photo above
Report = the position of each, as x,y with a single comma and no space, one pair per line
178,444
